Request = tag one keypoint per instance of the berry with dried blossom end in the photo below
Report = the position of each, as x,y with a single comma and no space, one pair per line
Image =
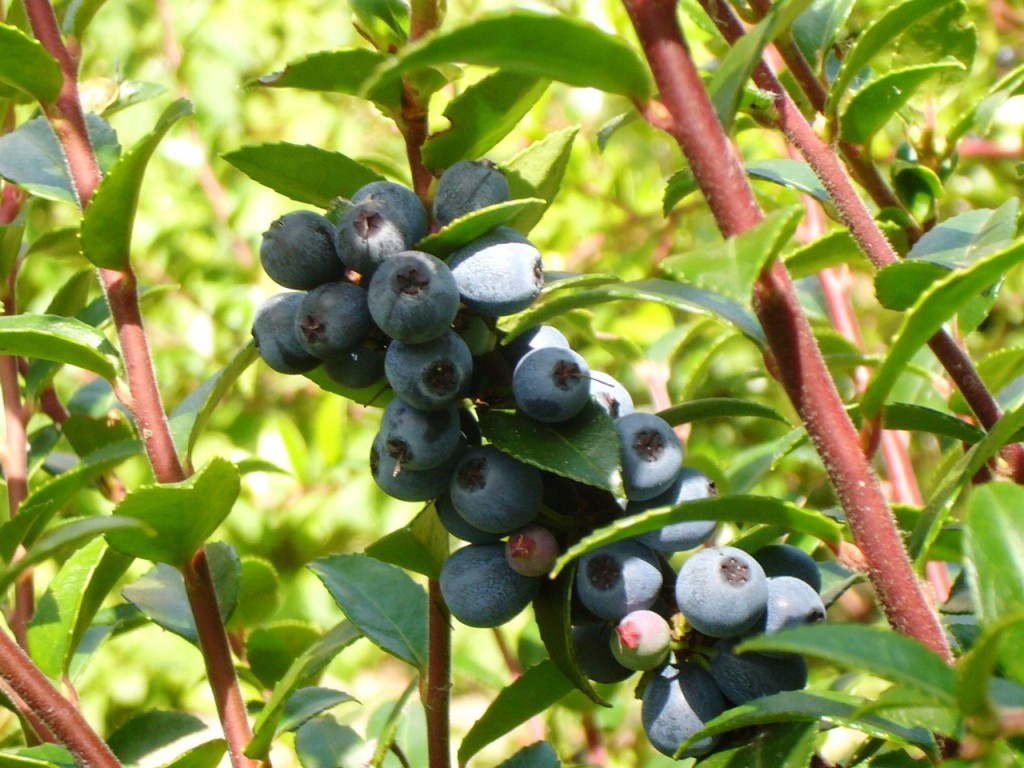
551,384
722,591
652,455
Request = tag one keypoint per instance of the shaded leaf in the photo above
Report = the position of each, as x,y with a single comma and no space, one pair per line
788,745
77,15
741,509
420,547
468,228
559,48
718,408
538,755
929,313
585,448
171,734
816,28
60,339
679,186
42,756
307,703
977,668
381,600
872,106
271,650
323,742
481,116
178,517
919,418
530,694
302,172
793,174
28,66
106,233
876,650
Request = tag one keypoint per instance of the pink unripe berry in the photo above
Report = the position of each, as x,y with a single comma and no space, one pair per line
532,551
642,640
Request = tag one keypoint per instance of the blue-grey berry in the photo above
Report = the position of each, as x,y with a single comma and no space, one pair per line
410,484
722,591
534,338
418,439
480,588
743,677
430,376
678,702
610,394
274,332
787,560
332,319
413,297
618,579
298,251
494,492
792,602
690,484
498,274
468,186
358,368
457,526
592,645
551,384
652,454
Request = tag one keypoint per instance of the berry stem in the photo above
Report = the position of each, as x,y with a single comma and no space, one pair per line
691,120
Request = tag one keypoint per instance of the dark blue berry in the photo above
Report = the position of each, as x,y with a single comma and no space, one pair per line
332,319
678,702
430,376
551,384
413,297
468,186
277,341
722,591
494,492
480,588
498,274
298,251
651,455
618,579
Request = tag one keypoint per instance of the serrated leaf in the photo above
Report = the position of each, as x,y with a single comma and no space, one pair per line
28,66
64,537
981,114
32,158
537,172
307,703
873,106
61,339
304,668
345,71
874,38
72,598
679,186
929,313
977,668
717,408
830,707
420,547
179,516
899,285
876,650
481,116
271,650
106,232
160,593
558,48
734,69
530,694
739,508
681,296
302,172
816,28
468,228
831,250
730,267
585,448
386,21
387,606
42,756
994,558
552,608
189,418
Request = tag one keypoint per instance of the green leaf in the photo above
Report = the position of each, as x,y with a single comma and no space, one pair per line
28,66
540,754
994,558
552,608
468,228
679,186
816,28
981,114
892,23
681,296
272,649
788,745
876,650
920,418
323,742
961,240
585,448
831,250
929,313
420,547
43,756
164,738
386,21
537,172
61,339
899,285
530,694
72,598
160,594
302,172
740,508
106,233
179,517
731,267
381,600
379,394
793,174
918,188
481,116
558,48
189,418
32,158
77,16
872,106
307,703
977,668
718,408
66,537
258,593
345,71
734,69
304,668
830,707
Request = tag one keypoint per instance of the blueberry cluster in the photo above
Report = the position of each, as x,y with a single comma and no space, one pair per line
372,310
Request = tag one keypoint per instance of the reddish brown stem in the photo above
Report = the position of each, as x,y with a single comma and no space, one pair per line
220,667
798,361
436,687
